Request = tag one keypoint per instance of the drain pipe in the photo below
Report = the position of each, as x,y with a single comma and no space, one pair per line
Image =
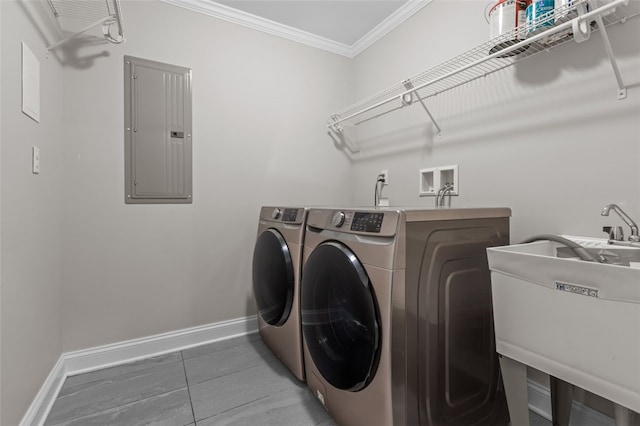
377,193
577,248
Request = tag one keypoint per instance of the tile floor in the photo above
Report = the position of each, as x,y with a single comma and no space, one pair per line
232,382
236,381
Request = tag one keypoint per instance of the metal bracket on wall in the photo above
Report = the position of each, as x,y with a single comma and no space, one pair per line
494,55
100,12
622,89
337,132
409,85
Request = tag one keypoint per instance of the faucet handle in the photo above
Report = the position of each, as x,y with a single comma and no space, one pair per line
615,232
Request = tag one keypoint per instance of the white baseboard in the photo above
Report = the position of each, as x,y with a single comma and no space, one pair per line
540,403
72,363
42,403
118,353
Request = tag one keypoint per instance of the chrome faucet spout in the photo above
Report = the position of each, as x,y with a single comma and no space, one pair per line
635,237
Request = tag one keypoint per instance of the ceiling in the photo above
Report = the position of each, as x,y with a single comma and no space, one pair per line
342,21
344,27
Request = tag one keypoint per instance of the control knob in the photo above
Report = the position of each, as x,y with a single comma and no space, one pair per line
338,219
276,213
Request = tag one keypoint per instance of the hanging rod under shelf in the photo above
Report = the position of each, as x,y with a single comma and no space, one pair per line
107,13
479,62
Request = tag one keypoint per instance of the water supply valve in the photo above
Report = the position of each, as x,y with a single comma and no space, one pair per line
615,232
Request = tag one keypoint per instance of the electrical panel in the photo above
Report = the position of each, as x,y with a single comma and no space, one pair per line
158,138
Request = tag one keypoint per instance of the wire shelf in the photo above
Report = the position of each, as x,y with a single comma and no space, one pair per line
575,20
99,12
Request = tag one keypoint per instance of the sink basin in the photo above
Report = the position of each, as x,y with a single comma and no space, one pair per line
575,320
604,252
612,256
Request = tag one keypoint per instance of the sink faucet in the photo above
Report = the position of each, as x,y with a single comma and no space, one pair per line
634,228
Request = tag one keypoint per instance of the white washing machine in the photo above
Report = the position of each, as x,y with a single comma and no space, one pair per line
397,317
277,260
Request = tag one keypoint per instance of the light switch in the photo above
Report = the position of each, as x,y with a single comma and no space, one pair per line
35,160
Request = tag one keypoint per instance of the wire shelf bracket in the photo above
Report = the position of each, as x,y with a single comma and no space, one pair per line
572,21
406,102
107,13
622,89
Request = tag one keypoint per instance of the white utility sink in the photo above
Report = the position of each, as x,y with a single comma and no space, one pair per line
575,320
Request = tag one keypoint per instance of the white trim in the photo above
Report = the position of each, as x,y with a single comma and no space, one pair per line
239,17
540,403
217,10
406,11
118,353
82,361
42,403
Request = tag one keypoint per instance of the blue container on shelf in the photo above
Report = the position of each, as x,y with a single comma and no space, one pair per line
539,16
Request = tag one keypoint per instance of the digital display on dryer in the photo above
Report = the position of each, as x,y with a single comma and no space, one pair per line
289,215
367,222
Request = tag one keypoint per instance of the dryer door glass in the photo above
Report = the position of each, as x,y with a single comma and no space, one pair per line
273,278
340,317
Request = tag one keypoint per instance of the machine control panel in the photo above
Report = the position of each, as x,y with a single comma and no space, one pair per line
283,215
289,215
367,222
371,222
338,219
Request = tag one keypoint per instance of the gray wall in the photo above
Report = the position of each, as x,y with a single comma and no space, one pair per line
31,215
547,137
0,216
260,105
81,268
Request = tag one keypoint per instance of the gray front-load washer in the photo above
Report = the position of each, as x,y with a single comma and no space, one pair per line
277,258
397,317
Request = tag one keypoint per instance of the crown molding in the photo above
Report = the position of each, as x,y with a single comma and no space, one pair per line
229,14
406,11
239,17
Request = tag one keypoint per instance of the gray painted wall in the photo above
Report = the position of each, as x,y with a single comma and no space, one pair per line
0,217
259,110
83,269
31,214
547,137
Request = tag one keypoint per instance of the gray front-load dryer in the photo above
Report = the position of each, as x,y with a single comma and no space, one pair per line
397,318
277,258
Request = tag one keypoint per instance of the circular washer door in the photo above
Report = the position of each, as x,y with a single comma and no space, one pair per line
340,317
273,279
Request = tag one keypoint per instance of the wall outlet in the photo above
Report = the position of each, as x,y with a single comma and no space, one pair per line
35,160
385,173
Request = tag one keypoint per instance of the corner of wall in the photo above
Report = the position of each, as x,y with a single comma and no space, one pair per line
30,213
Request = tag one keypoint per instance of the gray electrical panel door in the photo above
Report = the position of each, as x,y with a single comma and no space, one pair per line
157,109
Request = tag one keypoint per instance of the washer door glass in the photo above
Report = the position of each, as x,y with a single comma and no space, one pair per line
273,279
340,317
